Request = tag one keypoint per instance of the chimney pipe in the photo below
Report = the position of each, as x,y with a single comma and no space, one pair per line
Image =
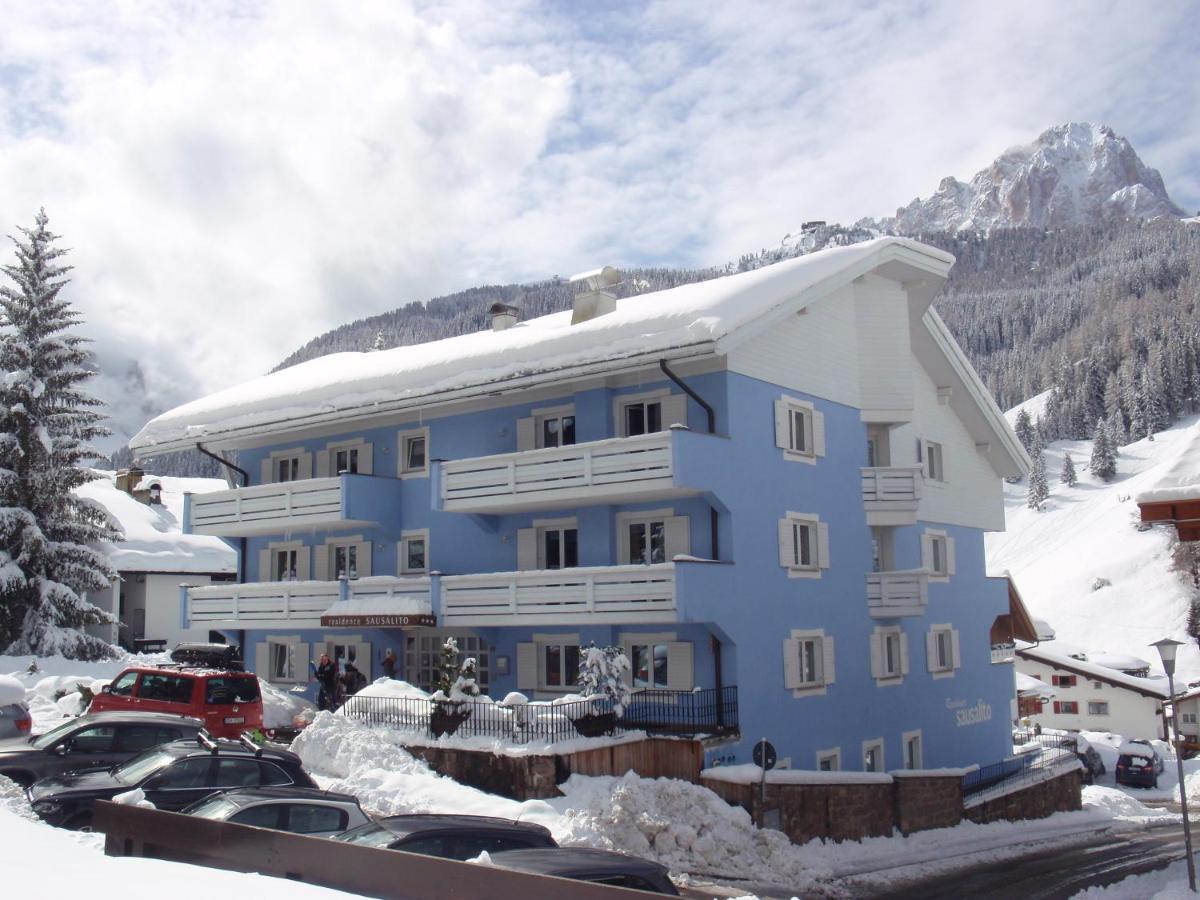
598,299
503,316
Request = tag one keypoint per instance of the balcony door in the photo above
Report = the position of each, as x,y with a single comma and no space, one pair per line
651,538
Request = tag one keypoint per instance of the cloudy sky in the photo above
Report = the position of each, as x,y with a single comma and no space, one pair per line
235,178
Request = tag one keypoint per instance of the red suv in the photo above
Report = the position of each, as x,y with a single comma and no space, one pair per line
228,703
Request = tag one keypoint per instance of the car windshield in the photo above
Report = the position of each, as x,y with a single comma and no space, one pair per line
140,766
42,741
371,836
212,808
222,691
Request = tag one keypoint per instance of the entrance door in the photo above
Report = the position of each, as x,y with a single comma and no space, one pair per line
357,652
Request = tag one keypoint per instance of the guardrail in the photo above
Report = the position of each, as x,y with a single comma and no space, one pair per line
891,594
302,603
1052,750
267,507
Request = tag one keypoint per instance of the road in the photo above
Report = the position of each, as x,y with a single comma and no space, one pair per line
1052,874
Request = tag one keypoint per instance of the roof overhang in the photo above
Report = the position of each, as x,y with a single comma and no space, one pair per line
1184,514
1058,663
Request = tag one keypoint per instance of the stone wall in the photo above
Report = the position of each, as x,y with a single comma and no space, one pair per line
927,801
1041,799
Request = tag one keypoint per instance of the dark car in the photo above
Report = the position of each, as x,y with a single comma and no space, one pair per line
295,809
1138,765
172,777
1146,747
450,837
88,742
598,866
1093,765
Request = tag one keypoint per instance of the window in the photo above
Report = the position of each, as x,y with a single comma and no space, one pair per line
227,690
97,739
647,542
889,654
650,663
285,565
414,453
937,554
1097,685
942,650
829,760
1066,707
556,430
123,686
560,665
265,816
287,468
558,547
644,417
345,461
1097,708
799,430
934,470
422,653
873,756
237,773
285,661
273,775
414,552
1063,680
165,688
808,663
345,561
136,738
309,818
912,750
803,545
186,773
1188,718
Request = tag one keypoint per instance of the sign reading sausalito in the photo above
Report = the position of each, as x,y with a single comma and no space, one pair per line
376,621
969,715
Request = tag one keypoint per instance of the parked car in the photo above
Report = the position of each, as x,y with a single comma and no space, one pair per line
90,741
1138,765
1148,747
172,777
15,721
1093,765
227,702
450,837
585,864
298,810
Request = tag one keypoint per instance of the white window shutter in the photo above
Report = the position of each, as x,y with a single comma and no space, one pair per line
674,410
818,433
321,563
526,434
823,545
791,663
903,653
268,471
527,553
949,556
265,572
931,650
366,459
679,666
301,661
305,466
783,431
955,649
927,552
827,661
323,468
262,660
677,538
527,667
877,656
787,556
364,559
304,563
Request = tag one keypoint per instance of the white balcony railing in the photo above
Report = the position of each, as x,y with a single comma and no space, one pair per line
620,468
302,603
559,597
267,508
891,495
893,594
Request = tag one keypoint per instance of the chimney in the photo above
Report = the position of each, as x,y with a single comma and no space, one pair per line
597,300
128,479
503,316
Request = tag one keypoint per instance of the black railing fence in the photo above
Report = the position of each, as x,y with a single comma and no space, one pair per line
677,713
1051,750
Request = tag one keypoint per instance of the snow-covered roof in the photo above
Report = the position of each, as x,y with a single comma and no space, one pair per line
154,539
1044,631
1180,479
382,605
1154,686
1029,684
698,319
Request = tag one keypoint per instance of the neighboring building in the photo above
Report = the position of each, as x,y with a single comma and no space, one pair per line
1096,692
155,557
1175,498
1032,695
1187,706
775,483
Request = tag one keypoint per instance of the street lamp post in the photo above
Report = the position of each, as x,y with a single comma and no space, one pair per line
1166,649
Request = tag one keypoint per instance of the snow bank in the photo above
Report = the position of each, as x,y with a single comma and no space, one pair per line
11,690
281,708
136,797
748,773
1170,883
1117,804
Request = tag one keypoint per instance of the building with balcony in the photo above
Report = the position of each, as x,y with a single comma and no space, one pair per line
777,481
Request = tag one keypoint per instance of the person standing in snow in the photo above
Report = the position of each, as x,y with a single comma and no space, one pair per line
353,680
327,677
389,663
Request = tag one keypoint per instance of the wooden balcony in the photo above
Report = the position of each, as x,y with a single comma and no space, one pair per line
891,595
344,501
891,495
618,470
590,595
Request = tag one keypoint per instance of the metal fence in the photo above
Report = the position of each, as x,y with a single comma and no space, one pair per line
1052,750
678,713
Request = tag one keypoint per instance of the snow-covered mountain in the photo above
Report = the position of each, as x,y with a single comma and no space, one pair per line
1084,565
1074,174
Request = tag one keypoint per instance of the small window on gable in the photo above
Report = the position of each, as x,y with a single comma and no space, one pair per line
1063,680
799,429
414,452
933,464
937,554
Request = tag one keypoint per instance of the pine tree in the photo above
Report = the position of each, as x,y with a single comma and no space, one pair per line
1024,429
448,666
1068,476
380,342
1039,490
46,423
1103,463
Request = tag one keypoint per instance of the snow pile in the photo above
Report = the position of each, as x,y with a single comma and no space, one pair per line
136,797
1170,883
11,691
281,708
1092,531
683,826
1119,805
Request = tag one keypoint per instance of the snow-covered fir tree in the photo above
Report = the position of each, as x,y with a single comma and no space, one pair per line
1103,464
1068,476
1039,490
1024,429
604,672
46,423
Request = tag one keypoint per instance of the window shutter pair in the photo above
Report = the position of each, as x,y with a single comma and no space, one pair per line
325,460
931,654
787,552
927,552
792,676
304,467
783,426
527,667
266,563
879,657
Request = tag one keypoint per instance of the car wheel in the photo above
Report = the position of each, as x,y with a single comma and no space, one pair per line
24,779
80,822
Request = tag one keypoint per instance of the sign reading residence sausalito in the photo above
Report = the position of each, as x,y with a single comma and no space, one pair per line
379,621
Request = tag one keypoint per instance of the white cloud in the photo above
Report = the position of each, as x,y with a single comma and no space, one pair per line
235,179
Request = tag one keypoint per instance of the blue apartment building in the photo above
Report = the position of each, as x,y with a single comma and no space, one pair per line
771,489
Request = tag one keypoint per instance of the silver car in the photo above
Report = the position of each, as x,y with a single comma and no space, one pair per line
299,810
15,721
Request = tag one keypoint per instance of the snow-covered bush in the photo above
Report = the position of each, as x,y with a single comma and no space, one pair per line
456,683
603,672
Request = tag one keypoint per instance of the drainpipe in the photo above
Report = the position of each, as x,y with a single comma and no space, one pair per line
714,644
712,429
245,483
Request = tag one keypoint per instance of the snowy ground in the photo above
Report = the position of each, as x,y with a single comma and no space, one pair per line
1166,884
1088,532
